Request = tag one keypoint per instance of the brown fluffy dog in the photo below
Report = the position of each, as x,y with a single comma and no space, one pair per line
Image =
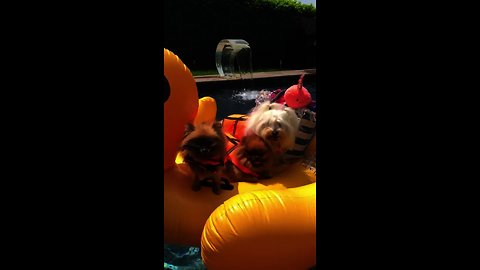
251,161
203,149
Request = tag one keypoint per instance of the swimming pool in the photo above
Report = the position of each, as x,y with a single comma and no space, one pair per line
242,100
182,258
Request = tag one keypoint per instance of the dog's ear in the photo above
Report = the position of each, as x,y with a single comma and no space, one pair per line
292,117
189,128
218,127
244,139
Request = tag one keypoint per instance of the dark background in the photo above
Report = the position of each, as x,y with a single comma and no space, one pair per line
82,131
275,30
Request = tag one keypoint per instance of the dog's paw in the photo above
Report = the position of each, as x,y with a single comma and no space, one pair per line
249,178
216,189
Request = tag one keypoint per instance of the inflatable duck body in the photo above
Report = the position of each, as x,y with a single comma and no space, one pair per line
265,225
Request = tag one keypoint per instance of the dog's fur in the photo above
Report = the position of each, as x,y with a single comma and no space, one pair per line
269,132
254,154
276,124
203,149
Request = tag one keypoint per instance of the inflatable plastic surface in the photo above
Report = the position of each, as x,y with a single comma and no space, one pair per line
180,104
265,225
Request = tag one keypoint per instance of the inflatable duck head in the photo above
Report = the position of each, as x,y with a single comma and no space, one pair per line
180,104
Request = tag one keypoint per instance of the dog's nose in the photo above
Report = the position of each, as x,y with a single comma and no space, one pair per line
203,150
275,133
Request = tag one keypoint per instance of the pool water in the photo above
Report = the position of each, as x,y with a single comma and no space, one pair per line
232,101
182,258
229,101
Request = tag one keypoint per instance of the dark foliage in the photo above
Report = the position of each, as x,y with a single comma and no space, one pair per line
277,30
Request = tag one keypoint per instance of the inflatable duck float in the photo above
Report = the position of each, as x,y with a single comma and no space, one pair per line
266,225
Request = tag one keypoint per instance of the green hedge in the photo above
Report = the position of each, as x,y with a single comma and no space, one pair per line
286,5
276,30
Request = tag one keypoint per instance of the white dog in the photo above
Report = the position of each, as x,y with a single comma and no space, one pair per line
276,124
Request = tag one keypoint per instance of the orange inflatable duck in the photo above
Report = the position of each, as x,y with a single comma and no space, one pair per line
266,225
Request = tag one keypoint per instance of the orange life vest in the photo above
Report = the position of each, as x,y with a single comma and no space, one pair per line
234,129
